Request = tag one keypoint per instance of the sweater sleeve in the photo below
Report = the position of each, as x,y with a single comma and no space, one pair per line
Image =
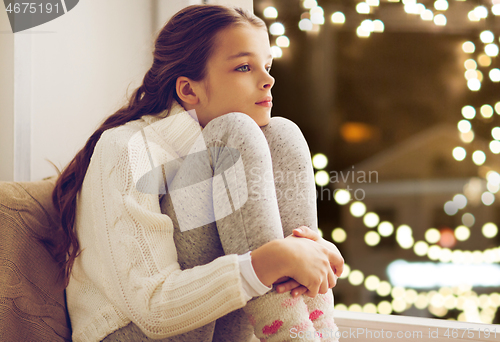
137,252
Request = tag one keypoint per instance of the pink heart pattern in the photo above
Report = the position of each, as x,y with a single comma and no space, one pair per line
273,328
315,314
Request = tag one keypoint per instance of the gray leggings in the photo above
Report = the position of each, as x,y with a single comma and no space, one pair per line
265,199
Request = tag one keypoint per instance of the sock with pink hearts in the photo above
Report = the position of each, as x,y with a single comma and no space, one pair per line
278,317
320,310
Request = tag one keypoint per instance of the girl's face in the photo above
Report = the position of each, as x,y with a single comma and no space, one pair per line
237,77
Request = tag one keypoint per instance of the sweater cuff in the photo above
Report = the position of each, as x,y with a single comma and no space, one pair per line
252,286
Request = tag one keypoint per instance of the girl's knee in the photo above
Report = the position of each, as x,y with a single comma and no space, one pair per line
284,135
283,127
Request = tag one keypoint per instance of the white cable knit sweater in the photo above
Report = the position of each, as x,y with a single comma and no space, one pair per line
127,270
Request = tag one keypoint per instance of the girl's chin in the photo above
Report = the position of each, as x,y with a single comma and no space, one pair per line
262,123
261,119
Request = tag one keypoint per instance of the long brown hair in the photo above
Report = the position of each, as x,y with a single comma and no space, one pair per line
182,48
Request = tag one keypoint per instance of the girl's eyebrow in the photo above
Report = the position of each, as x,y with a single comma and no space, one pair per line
244,53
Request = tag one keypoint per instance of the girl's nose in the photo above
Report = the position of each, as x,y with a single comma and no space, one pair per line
268,81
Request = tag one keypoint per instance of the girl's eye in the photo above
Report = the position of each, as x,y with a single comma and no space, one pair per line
243,68
268,69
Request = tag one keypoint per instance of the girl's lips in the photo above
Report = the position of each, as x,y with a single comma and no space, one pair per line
265,104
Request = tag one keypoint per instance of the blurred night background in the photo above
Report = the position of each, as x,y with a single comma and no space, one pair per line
399,102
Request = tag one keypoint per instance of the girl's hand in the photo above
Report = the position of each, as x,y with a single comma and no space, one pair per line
338,262
311,262
287,284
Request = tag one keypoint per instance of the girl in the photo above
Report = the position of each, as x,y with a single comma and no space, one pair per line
175,210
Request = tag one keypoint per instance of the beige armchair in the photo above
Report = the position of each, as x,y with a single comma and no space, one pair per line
32,303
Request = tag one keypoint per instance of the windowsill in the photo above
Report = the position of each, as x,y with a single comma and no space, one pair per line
375,327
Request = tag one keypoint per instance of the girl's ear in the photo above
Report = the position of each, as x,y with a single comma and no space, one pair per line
185,90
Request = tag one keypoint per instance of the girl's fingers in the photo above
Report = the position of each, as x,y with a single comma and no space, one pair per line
334,256
325,284
332,280
339,269
295,288
287,286
312,291
306,232
337,262
299,291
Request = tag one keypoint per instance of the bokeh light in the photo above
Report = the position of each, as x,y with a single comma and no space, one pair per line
470,64
305,24
371,219
441,5
338,18
384,307
427,15
495,133
385,228
404,236
486,111
283,41
467,137
464,126
356,277
462,233
440,20
447,238
270,12
450,208
487,36
384,288
487,198
357,209
319,161
432,235
372,238
339,235
322,178
276,52
478,157
420,248
468,219
468,112
491,50
468,47
460,201
484,60
494,75
363,8
277,29
490,230
342,196
372,282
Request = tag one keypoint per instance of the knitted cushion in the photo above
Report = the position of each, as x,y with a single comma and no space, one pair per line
32,304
